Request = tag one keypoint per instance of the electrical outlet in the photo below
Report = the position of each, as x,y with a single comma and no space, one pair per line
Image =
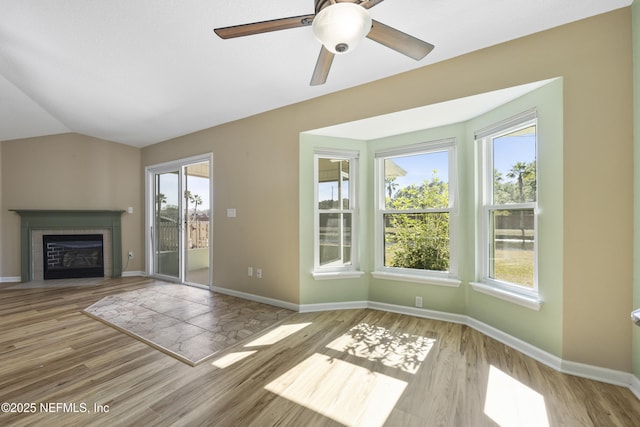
419,302
130,254
259,273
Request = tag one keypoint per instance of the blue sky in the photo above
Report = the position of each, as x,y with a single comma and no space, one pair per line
197,185
509,150
421,166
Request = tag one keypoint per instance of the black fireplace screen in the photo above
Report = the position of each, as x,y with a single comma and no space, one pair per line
72,256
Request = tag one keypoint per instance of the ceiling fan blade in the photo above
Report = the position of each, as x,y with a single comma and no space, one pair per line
323,65
399,41
368,4
264,26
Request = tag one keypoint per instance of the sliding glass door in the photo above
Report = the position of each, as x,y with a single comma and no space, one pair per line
198,223
166,229
180,221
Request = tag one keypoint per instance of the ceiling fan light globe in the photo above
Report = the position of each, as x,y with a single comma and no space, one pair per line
341,26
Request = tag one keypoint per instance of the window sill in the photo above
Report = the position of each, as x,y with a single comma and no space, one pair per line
428,280
527,301
333,275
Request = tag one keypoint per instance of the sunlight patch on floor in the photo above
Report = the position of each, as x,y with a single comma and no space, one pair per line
342,391
269,338
511,403
277,334
375,343
231,358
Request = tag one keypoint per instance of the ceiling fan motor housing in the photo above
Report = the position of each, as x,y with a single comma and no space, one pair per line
341,47
341,26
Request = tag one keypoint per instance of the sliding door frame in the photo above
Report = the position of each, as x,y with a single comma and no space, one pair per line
150,205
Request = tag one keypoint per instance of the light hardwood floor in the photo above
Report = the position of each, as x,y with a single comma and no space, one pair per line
351,367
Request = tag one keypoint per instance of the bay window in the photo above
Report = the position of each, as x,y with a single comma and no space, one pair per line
335,210
507,212
416,222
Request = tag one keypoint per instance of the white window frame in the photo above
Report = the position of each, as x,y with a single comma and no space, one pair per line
344,270
513,292
448,278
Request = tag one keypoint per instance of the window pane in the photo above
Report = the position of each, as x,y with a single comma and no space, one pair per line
511,246
514,167
335,238
419,181
419,241
333,183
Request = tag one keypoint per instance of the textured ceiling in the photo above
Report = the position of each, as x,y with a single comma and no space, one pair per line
144,71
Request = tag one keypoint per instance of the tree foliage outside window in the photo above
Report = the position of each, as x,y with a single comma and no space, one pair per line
416,213
418,239
417,221
518,185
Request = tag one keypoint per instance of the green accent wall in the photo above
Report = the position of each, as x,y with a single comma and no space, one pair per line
541,328
335,290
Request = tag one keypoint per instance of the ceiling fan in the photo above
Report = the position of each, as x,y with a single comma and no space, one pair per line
339,25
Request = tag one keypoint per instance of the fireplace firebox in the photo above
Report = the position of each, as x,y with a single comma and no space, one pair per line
69,256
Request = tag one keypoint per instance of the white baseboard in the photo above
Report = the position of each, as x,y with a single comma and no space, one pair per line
605,375
419,312
133,273
635,386
513,342
532,351
257,298
309,308
597,373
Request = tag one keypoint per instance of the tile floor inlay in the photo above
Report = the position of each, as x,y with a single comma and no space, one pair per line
189,323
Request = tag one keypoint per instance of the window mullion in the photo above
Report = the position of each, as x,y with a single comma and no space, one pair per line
414,211
513,206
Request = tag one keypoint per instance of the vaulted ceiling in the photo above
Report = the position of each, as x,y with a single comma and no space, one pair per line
144,71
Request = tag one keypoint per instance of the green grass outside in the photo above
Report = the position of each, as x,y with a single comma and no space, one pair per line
514,266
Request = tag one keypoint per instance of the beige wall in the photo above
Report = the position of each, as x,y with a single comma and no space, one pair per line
255,171
68,171
598,175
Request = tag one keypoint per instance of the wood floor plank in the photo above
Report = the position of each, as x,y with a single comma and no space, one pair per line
318,369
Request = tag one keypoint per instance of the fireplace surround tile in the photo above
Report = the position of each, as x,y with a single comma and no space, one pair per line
37,269
39,221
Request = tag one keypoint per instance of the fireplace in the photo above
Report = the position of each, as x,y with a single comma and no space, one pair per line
68,256
34,223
